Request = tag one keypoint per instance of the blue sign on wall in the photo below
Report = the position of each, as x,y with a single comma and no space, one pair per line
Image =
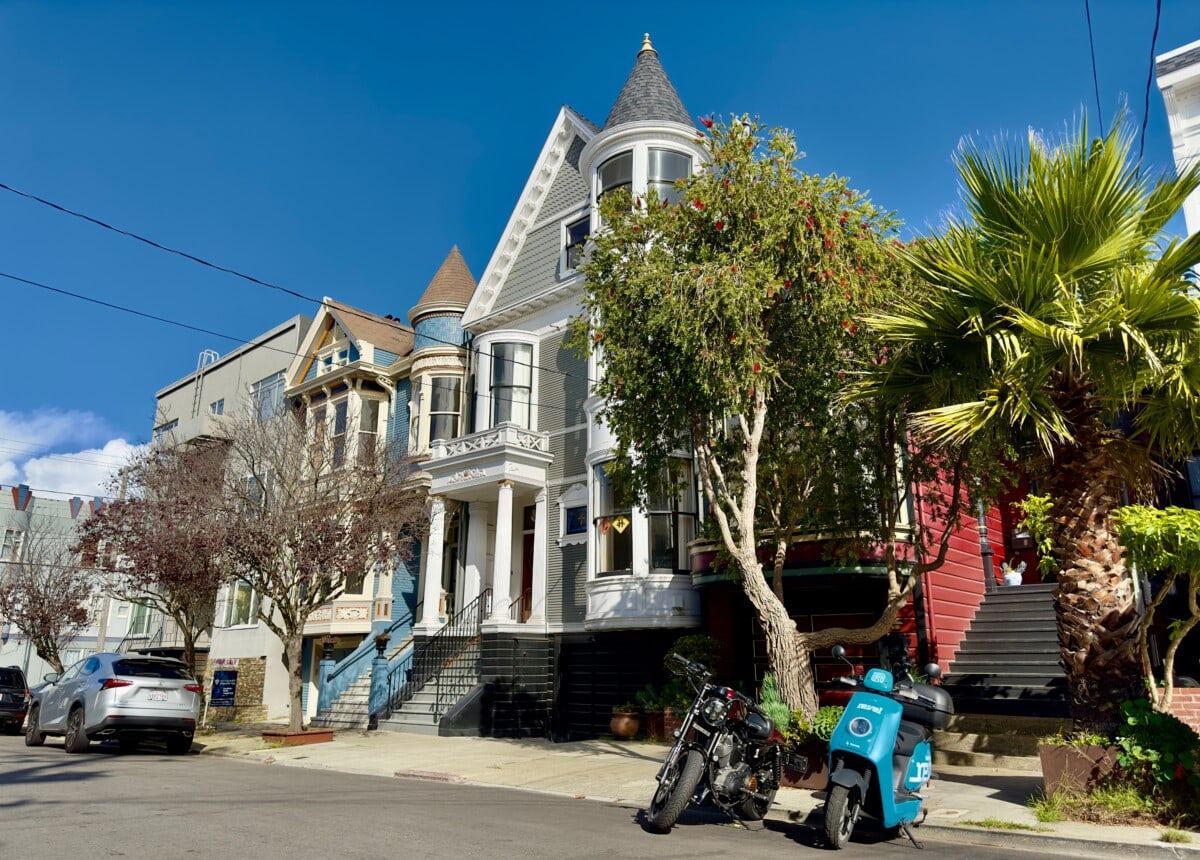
224,687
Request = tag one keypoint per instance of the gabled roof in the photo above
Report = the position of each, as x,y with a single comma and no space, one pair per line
452,286
386,334
567,126
361,326
648,94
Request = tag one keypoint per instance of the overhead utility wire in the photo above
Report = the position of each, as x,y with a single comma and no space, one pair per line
237,274
1095,78
242,340
1150,77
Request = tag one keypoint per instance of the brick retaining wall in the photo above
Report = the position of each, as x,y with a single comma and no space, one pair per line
1185,705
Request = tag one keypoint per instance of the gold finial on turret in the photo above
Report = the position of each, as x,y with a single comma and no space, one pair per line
646,46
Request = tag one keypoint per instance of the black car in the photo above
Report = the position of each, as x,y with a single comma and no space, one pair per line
14,699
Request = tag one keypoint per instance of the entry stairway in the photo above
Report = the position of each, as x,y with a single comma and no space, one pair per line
1008,663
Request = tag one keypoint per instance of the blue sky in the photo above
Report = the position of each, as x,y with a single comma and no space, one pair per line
341,149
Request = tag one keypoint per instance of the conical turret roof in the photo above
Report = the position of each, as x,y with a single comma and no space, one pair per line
452,286
647,94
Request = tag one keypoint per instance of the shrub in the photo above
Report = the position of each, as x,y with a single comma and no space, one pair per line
825,720
1158,747
770,702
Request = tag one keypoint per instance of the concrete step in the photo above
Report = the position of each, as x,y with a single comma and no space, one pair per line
995,740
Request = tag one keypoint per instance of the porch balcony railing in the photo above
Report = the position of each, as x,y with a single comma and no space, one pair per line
502,436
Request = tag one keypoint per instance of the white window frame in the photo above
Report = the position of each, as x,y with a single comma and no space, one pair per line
217,407
333,357
485,410
565,267
10,550
266,396
641,160
575,496
229,603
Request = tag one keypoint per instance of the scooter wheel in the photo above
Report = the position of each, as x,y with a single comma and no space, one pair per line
842,808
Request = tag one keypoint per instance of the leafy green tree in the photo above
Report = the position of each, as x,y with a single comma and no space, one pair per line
1167,543
724,327
1058,323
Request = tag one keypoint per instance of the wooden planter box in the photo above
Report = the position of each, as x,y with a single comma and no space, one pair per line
1075,768
294,739
814,777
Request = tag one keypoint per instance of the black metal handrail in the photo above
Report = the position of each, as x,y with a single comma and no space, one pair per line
441,650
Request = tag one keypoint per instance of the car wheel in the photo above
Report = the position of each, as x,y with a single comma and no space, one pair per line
33,737
178,746
76,740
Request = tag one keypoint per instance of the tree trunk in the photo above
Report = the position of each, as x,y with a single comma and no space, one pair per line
1094,602
792,665
292,648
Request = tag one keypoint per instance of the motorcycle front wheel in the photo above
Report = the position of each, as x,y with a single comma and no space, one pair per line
842,809
754,808
674,791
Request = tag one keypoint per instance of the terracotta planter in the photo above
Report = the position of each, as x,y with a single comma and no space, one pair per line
1075,768
624,726
294,739
655,723
816,775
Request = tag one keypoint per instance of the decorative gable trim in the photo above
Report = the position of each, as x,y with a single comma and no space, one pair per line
567,126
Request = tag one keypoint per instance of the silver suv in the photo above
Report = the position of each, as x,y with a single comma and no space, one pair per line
124,696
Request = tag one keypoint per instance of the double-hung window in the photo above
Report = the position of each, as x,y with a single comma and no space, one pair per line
11,549
368,430
338,436
614,523
445,399
512,383
671,511
575,236
240,605
139,620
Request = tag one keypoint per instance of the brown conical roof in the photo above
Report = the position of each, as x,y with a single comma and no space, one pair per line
452,286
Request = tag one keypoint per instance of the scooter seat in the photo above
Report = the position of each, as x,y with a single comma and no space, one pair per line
908,736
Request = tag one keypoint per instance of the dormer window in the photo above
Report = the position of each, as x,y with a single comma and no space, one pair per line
333,357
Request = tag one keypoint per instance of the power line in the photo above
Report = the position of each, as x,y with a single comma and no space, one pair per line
1087,6
129,310
230,271
292,353
1150,76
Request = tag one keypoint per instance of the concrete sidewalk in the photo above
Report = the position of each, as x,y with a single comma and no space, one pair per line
959,799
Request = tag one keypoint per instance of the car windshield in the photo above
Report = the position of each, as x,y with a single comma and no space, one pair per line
151,669
11,678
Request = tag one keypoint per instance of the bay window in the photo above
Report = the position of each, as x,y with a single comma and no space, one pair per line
445,399
512,383
671,511
613,522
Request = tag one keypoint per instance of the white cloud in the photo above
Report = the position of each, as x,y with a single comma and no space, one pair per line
83,473
60,453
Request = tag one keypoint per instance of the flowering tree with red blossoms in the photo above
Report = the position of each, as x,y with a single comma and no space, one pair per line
727,327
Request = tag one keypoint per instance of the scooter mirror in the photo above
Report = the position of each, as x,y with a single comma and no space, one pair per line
839,652
933,670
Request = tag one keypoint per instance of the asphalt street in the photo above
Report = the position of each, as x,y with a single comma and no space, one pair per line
148,804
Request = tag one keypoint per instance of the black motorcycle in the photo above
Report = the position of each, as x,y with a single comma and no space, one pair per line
726,751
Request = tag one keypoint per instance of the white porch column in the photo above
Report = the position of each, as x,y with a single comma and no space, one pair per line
502,556
537,599
431,586
476,560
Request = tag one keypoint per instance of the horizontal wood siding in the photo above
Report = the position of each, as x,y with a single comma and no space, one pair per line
954,591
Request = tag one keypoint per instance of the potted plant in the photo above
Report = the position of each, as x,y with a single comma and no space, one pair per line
625,721
1076,762
649,698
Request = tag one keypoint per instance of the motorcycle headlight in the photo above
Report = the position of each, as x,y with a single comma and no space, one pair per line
714,710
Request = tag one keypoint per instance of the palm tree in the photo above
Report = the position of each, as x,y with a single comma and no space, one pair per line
1056,322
